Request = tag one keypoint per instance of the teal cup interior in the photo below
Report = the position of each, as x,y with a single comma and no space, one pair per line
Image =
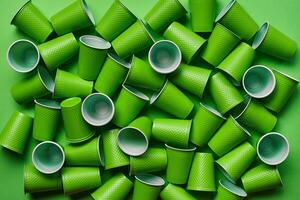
232,188
260,35
150,179
94,42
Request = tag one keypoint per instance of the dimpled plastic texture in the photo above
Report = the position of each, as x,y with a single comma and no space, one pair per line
225,194
146,190
173,192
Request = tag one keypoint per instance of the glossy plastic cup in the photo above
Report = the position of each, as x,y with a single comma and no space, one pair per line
173,192
229,191
202,15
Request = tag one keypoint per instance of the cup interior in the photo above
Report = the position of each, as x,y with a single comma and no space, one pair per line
95,42
232,188
150,179
71,102
88,12
46,78
260,35
225,10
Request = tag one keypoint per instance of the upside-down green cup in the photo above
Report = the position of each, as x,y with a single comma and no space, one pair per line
128,105
238,61
69,85
224,93
92,54
202,174
271,41
261,178
147,187
173,192
76,129
236,162
33,87
153,160
189,42
229,191
74,17
35,181
191,78
284,89
219,44
113,156
58,50
205,123
15,133
116,19
168,99
116,188
31,21
227,137
76,155
47,116
202,15
235,17
80,179
174,132
133,40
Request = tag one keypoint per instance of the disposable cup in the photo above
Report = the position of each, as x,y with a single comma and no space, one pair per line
173,192
229,191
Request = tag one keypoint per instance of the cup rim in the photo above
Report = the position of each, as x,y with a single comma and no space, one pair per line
286,75
135,92
260,35
225,10
103,46
159,181
156,95
88,12
100,153
20,9
140,21
239,125
126,8
190,149
212,110
224,172
119,60
48,103
46,78
242,191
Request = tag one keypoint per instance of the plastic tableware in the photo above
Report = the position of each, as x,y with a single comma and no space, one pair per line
173,192
229,191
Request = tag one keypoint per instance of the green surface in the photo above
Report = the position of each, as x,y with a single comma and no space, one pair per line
283,14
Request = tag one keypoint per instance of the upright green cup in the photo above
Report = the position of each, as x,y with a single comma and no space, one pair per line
76,129
47,115
116,19
189,42
229,191
58,50
116,188
173,192
168,99
74,17
31,21
202,174
92,54
16,132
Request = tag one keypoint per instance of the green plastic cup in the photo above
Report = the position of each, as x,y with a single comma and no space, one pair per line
223,92
76,155
16,132
238,61
150,79
58,50
35,181
116,188
133,40
202,15
259,81
23,56
271,41
273,148
30,20
80,179
147,187
153,160
113,156
235,17
48,157
69,85
237,161
229,191
205,123
202,174
261,178
284,89
228,136
168,99
128,105
47,116
188,42
219,44
74,17
92,54
76,129
179,164
116,20
173,192
112,75
174,132
191,78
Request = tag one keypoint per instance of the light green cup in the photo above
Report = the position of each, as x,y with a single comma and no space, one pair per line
48,157
74,17
16,132
76,129
92,54
173,192
47,116
116,19
147,187
229,191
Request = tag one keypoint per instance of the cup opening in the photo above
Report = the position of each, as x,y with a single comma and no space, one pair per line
155,95
260,35
20,10
224,172
47,103
135,92
119,60
150,179
286,75
46,78
213,111
240,126
88,12
225,10
100,150
232,188
181,149
94,42
71,102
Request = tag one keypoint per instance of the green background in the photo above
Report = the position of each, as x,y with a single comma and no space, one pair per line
283,14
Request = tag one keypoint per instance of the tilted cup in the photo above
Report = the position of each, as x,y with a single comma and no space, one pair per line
174,192
229,191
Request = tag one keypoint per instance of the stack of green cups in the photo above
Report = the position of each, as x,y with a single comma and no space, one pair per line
173,192
229,191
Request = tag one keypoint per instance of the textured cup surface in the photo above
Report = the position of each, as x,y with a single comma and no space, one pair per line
174,192
202,15
229,191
